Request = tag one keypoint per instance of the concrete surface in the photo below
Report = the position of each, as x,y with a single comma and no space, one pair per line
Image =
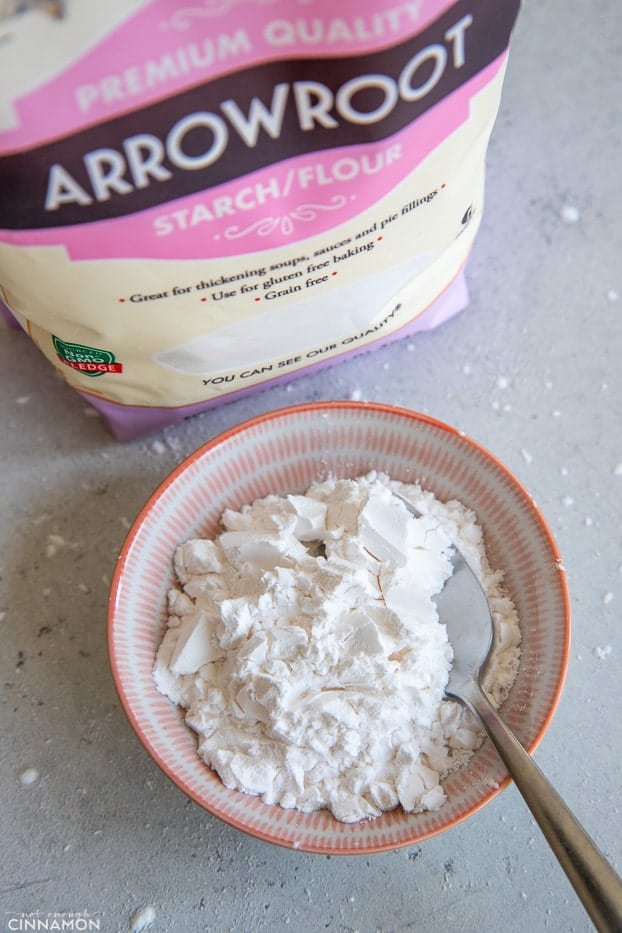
532,371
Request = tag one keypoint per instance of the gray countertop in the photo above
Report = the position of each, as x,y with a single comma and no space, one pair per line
532,371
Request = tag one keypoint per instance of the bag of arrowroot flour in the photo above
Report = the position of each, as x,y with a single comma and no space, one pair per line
201,197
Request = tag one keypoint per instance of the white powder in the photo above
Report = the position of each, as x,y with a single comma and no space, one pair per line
28,777
142,918
602,652
305,645
570,214
54,543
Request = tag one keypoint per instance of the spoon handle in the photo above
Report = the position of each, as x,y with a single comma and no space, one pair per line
593,878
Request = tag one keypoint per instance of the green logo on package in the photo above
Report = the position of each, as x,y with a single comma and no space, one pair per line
90,361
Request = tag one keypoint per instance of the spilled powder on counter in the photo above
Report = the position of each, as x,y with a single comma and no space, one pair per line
54,542
305,645
142,918
570,214
28,777
602,652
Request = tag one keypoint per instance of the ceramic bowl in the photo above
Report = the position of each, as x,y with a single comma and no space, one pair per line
285,451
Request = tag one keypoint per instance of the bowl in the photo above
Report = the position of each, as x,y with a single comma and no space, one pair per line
285,451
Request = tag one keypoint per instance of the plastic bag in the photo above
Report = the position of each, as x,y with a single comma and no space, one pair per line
200,199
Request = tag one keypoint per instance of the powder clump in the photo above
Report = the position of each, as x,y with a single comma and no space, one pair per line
305,646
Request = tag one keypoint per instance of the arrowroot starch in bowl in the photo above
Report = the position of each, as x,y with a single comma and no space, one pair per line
305,646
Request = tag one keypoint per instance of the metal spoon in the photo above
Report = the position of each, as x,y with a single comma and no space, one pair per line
464,609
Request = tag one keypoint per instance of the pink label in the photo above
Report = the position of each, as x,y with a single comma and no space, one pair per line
168,46
266,149
274,207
